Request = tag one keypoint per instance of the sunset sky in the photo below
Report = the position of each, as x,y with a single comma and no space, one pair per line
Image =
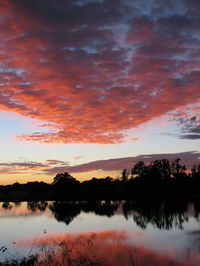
92,86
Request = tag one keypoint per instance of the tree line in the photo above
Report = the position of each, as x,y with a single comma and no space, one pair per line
160,178
162,170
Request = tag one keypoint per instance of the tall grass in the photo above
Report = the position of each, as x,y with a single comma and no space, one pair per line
53,253
101,249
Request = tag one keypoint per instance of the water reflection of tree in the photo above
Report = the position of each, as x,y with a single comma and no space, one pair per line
37,205
162,215
65,211
196,206
7,205
17,203
107,208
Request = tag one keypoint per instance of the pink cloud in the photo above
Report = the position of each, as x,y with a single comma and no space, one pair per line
90,78
112,247
118,164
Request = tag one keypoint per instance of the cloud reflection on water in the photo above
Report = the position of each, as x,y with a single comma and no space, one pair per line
113,247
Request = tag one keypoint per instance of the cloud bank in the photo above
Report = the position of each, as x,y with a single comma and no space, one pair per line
53,167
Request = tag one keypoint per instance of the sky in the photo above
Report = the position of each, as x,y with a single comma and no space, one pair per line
92,86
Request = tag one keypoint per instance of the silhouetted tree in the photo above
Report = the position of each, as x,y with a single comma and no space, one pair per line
160,170
178,170
108,179
16,186
138,169
63,178
124,176
195,171
65,185
158,178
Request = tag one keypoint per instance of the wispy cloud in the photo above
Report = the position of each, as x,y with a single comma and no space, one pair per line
30,167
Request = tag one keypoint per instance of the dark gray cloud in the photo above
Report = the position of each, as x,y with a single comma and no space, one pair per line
190,127
190,136
53,167
187,158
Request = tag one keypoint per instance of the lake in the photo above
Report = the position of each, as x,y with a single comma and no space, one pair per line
162,232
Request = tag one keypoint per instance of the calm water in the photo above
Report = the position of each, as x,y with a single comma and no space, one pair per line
161,230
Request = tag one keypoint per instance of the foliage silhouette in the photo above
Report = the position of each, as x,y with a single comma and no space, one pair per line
34,206
160,178
162,215
65,211
124,175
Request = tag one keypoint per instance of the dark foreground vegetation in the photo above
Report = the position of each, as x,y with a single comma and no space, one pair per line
161,178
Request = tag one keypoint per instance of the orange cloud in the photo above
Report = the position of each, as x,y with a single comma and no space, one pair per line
90,78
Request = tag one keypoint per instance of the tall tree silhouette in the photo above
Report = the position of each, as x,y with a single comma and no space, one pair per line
124,176
138,169
178,170
63,178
